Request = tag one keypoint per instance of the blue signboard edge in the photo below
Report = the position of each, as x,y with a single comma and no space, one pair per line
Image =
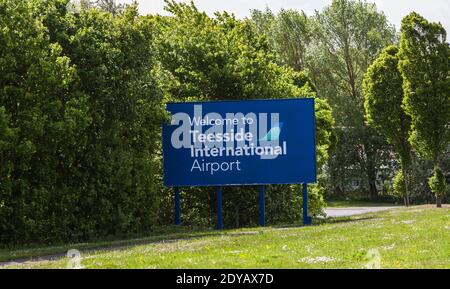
241,100
248,184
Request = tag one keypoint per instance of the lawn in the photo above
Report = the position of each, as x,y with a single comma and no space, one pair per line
415,237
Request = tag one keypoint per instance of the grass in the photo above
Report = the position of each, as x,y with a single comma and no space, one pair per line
415,237
172,233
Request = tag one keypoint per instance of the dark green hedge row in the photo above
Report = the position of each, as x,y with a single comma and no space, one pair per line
80,114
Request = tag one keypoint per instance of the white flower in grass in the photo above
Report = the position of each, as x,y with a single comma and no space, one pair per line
314,260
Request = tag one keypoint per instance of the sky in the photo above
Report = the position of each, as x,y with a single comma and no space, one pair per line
433,10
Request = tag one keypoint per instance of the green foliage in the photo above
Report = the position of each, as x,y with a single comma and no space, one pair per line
383,93
37,117
399,184
80,115
324,131
347,36
437,183
219,58
424,64
382,87
289,33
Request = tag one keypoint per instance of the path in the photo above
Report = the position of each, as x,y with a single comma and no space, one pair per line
350,211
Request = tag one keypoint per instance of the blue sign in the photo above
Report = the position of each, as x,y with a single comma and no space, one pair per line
250,142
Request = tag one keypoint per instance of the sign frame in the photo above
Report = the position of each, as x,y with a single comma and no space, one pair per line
312,178
307,220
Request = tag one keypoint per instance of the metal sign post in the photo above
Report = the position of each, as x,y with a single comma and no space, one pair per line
306,219
177,206
219,208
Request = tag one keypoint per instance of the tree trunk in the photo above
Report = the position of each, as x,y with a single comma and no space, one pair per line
338,191
438,201
371,177
373,189
436,165
405,172
371,171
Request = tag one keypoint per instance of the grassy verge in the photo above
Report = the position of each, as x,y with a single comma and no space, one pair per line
416,237
35,252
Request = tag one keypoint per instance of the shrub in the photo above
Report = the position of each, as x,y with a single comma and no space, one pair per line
437,184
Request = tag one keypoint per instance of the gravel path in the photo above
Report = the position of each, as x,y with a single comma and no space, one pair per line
343,212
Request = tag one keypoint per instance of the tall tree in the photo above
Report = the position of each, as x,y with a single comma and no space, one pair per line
424,64
347,37
383,92
289,33
111,6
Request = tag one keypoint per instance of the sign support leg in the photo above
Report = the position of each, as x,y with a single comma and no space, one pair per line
177,206
261,206
219,208
306,219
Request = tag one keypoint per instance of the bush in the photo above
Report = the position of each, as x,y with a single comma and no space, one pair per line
437,184
80,118
399,184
